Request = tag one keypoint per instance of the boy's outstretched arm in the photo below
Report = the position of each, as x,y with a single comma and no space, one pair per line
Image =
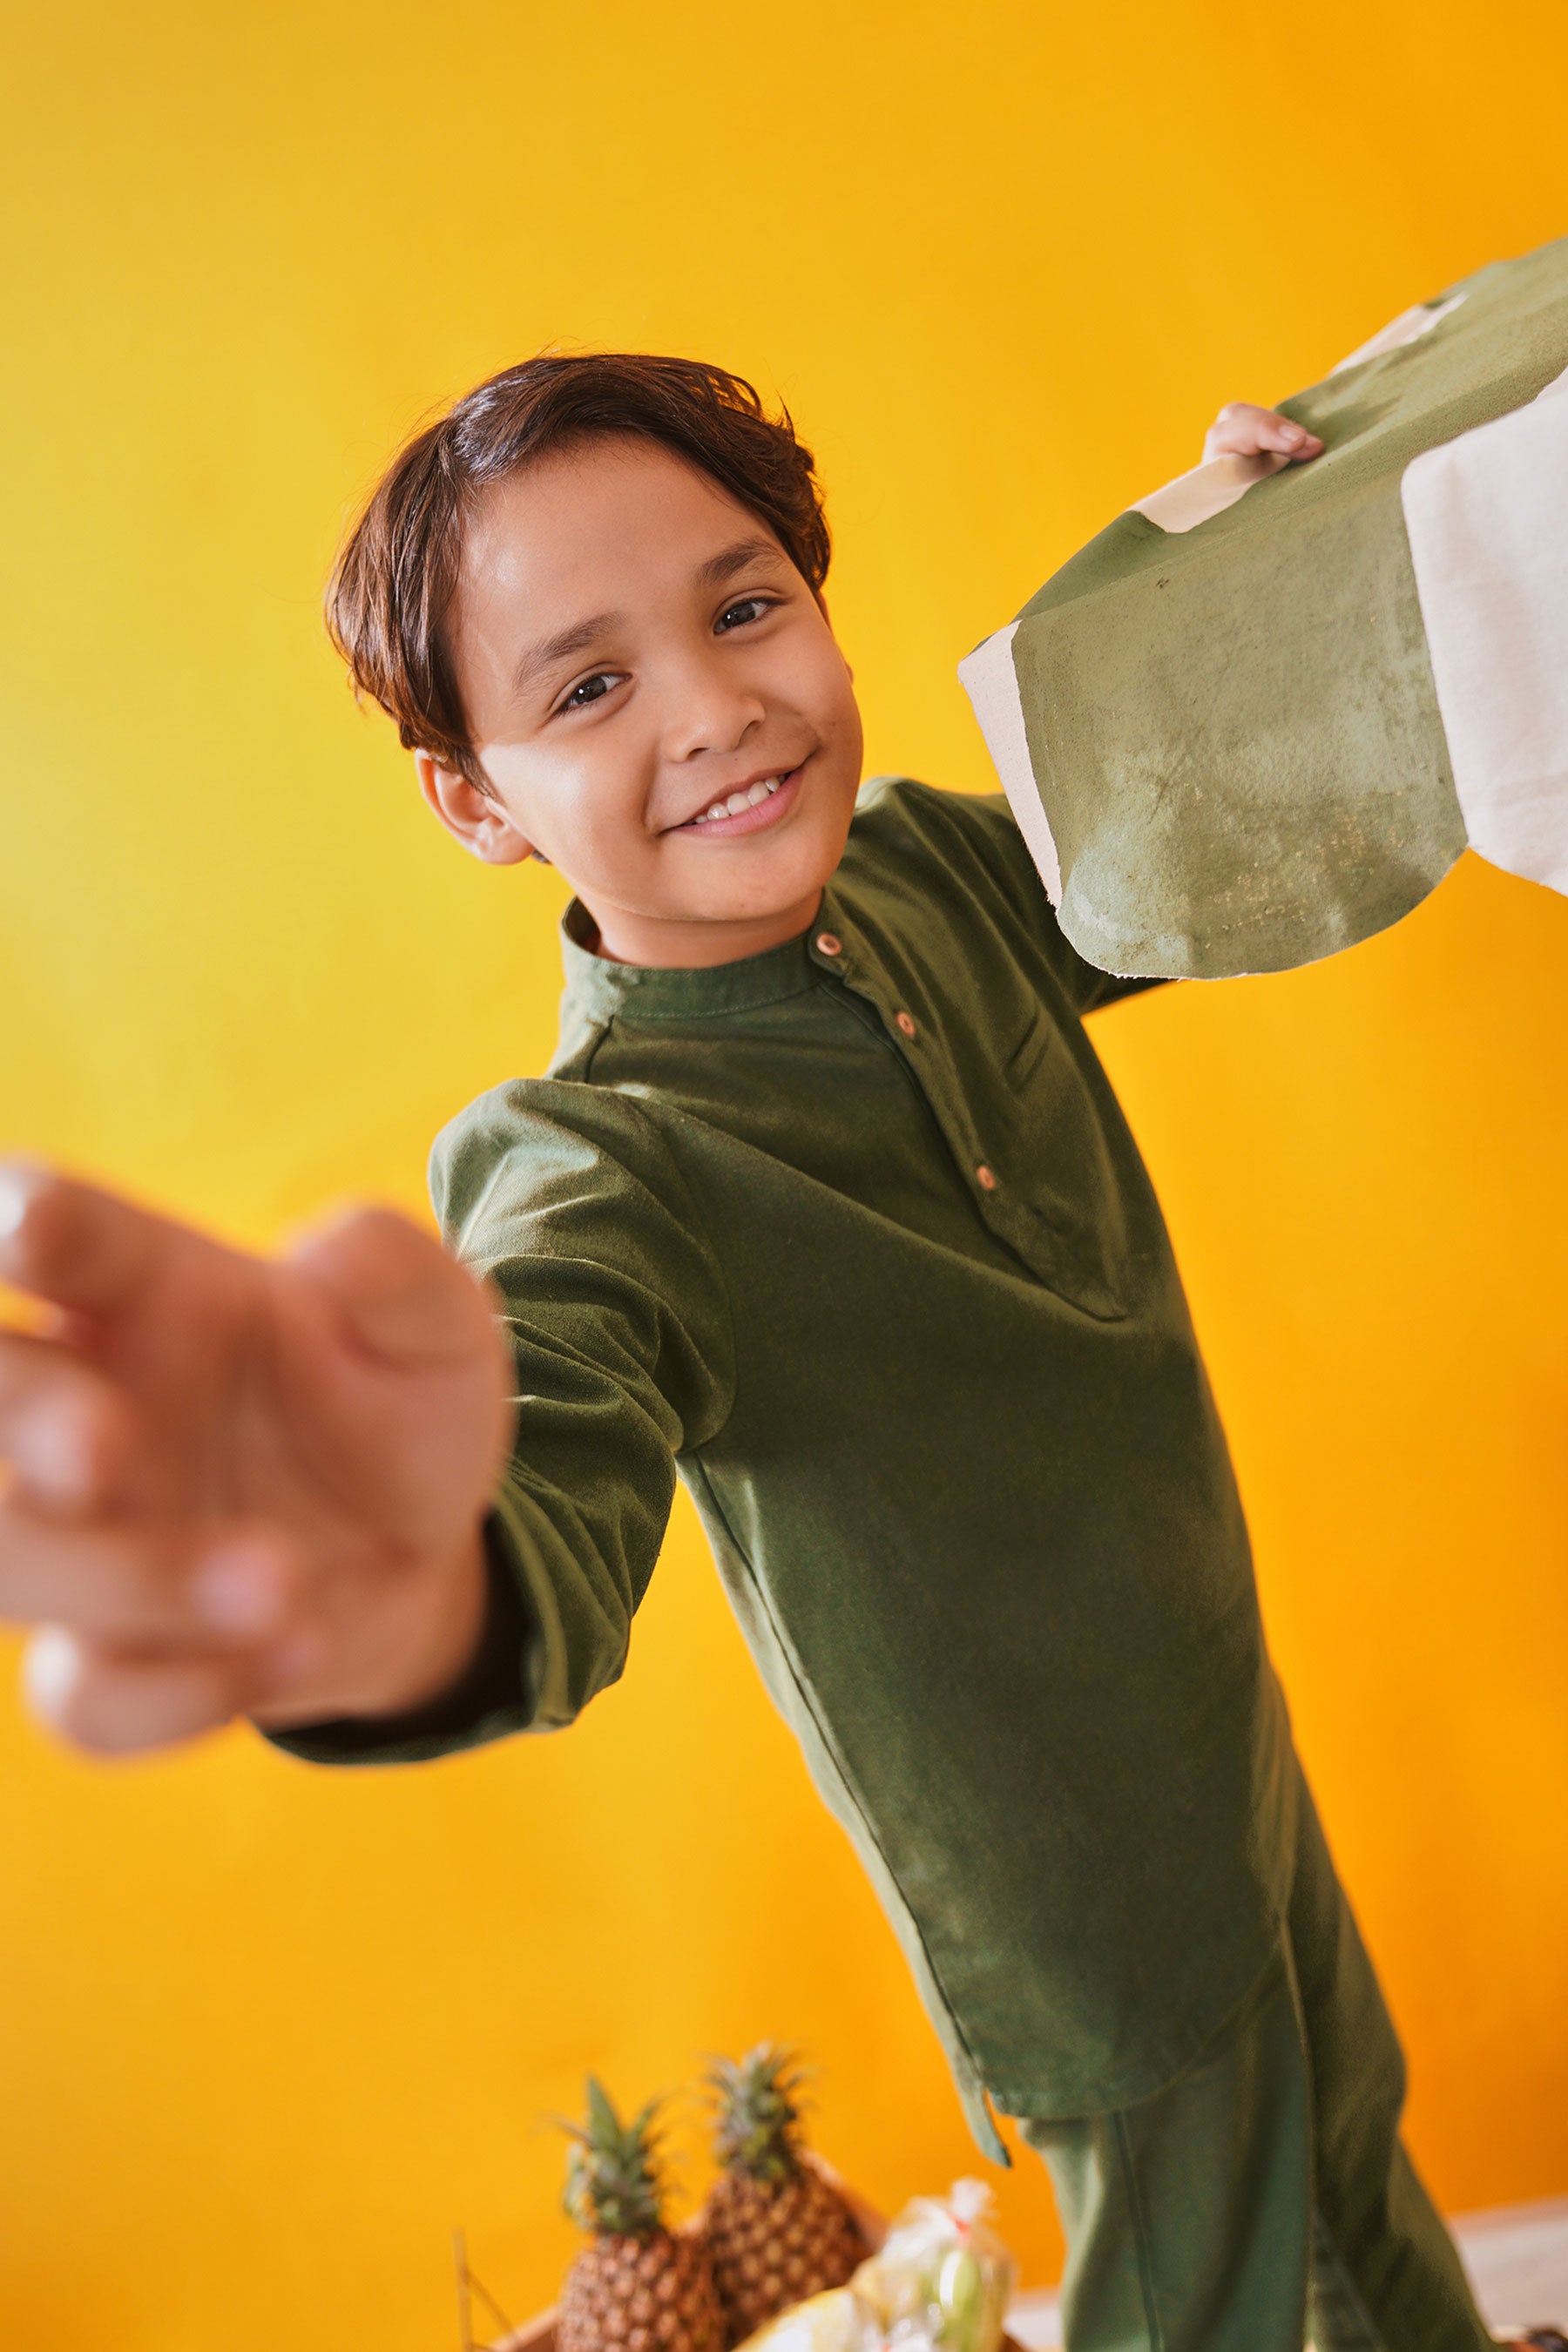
240,1486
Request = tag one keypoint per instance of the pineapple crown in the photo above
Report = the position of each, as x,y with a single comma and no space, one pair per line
615,2179
757,2101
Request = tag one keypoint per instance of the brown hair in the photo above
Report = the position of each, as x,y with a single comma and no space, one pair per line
392,585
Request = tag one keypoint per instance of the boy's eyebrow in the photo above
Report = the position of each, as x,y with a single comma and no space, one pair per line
731,560
559,647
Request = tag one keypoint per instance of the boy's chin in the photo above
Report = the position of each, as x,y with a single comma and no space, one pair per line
751,891
762,872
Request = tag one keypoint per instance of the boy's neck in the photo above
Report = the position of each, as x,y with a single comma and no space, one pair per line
671,945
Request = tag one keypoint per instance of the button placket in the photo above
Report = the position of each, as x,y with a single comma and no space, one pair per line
930,1076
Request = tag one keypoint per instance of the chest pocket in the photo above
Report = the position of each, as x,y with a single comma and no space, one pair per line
1064,1208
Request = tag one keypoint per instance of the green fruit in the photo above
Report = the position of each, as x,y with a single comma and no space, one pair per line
961,2297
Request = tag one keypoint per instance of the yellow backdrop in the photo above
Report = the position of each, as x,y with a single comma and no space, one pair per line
268,2034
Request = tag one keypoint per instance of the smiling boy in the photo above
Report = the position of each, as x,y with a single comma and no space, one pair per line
826,1206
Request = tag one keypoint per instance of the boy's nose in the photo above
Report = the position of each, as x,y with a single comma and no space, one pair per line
711,713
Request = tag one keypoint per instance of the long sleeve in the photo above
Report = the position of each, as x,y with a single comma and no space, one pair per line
1089,989
567,1200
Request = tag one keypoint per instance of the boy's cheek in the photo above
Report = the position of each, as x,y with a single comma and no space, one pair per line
567,815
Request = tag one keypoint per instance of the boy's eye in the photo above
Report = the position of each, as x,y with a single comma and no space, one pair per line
590,689
748,608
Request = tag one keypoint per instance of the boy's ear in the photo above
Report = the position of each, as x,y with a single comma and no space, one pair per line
472,817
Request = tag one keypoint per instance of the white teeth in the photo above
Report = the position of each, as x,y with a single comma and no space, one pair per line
738,802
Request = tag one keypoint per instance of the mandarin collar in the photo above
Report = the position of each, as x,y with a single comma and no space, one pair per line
598,990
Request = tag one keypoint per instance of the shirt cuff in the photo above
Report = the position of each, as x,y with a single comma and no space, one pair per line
492,1697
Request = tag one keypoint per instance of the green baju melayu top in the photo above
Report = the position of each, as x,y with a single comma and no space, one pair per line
852,1236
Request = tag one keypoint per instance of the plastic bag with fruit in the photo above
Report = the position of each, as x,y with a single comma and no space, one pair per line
942,2274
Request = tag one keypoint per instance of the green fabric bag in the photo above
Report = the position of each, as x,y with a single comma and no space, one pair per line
1259,716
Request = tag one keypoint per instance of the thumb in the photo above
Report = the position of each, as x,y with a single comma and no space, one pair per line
398,1290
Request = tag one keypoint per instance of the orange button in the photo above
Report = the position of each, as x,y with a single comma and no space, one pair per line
984,1178
906,1022
829,943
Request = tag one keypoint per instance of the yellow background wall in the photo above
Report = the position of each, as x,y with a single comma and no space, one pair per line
266,2034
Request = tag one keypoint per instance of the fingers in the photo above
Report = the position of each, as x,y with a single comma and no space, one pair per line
115,1705
73,1245
398,1290
160,1648
135,1588
65,1431
1242,429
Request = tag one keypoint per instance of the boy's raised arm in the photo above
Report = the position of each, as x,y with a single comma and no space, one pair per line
234,1485
571,1206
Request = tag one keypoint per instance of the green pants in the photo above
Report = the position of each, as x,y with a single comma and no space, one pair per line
1264,2197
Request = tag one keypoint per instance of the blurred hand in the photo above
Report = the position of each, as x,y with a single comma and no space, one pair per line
1243,430
236,1485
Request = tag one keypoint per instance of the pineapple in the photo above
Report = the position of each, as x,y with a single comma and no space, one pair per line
637,2287
777,2230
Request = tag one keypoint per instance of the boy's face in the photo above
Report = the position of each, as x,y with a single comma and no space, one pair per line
659,701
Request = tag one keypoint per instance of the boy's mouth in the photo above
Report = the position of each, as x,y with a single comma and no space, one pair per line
748,809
